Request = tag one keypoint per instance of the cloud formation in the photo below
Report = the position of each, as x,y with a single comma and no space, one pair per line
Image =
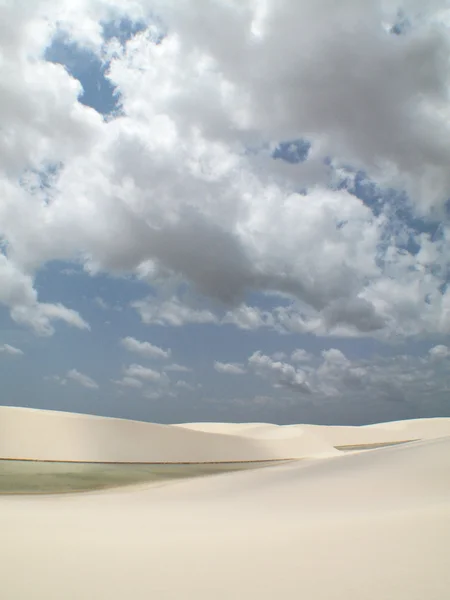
180,190
82,379
145,349
280,373
7,349
402,378
229,368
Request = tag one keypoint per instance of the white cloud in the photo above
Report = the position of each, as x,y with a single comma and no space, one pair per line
82,379
171,192
300,355
7,349
171,312
130,382
56,379
282,374
439,351
144,348
139,372
414,380
229,368
178,368
334,356
18,294
248,317
101,303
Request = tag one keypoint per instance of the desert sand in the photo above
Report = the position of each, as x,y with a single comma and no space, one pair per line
357,525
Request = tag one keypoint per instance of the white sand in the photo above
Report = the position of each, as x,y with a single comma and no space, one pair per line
49,435
336,435
357,526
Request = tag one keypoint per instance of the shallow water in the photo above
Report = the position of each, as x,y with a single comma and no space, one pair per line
39,477
351,447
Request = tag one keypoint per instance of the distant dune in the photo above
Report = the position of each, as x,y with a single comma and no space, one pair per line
47,435
347,525
50,435
335,435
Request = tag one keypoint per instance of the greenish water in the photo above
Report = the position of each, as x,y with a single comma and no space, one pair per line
371,446
36,477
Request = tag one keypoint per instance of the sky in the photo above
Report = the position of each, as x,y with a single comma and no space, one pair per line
226,210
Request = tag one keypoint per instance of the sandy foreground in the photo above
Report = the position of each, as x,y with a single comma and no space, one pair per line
353,525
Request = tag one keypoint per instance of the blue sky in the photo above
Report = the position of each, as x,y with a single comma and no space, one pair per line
136,212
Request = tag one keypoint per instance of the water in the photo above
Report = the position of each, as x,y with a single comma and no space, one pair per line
36,477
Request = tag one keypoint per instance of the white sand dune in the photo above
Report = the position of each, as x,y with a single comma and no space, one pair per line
362,526
224,428
394,431
49,435
413,429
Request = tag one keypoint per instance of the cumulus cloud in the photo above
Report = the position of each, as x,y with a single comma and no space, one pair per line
439,351
136,371
82,379
280,373
171,312
18,294
300,355
145,349
181,190
7,349
413,380
229,368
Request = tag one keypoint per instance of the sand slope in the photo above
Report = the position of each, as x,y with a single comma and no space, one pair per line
49,435
361,526
337,435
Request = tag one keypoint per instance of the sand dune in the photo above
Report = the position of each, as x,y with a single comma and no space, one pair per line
48,435
334,435
413,429
365,525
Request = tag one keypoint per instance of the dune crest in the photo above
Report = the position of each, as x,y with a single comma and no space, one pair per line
50,435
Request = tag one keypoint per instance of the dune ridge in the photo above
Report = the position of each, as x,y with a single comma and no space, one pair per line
31,434
338,435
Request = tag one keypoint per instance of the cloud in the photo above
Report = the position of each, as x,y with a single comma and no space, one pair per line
82,379
56,379
248,317
101,303
412,380
171,312
18,294
300,355
334,356
338,74
7,349
282,374
229,368
181,190
145,349
130,382
439,352
178,368
136,371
